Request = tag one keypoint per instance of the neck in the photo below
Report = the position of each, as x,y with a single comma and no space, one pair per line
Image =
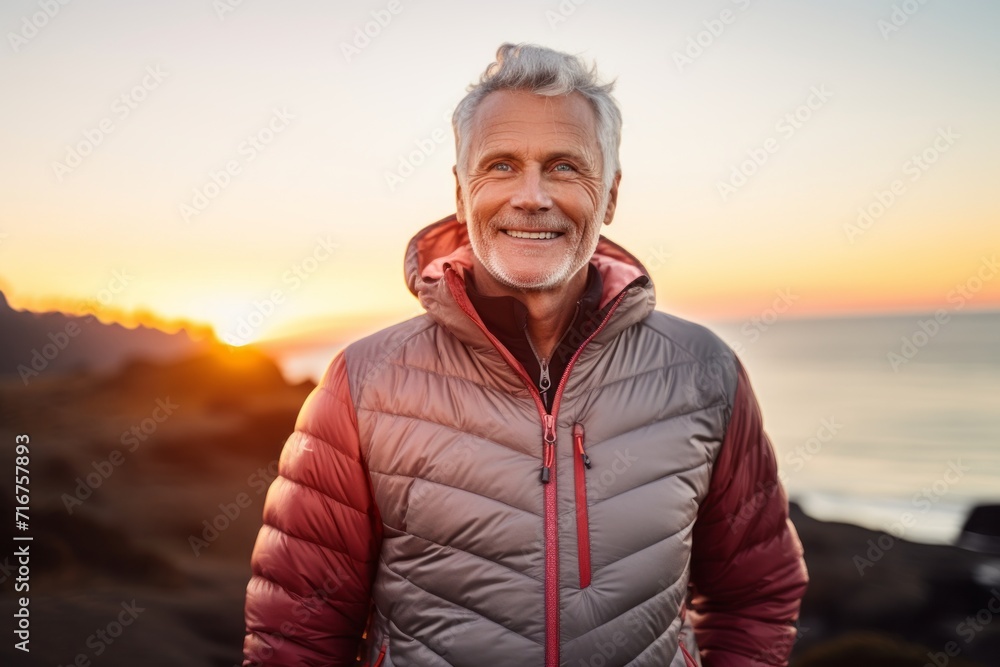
550,312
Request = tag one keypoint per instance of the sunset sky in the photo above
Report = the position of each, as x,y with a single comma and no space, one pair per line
754,133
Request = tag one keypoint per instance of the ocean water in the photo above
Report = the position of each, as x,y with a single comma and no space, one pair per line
888,422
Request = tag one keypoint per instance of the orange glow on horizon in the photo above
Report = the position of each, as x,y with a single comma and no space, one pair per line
323,330
130,319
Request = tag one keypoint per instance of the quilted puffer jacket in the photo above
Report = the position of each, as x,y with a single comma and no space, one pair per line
430,512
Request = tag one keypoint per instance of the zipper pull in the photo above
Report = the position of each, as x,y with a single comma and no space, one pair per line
548,446
578,441
544,380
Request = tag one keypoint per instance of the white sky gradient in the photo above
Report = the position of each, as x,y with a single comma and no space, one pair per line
323,176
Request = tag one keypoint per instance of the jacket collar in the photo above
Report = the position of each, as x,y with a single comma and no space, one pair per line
439,256
507,316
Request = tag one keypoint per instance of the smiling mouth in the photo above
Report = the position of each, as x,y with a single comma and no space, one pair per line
531,235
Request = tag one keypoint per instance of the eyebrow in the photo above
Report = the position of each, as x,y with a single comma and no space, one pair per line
495,154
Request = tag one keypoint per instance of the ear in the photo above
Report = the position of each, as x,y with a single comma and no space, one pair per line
609,213
459,197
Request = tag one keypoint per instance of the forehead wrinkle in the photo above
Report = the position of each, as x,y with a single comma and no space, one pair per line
556,125
503,129
509,140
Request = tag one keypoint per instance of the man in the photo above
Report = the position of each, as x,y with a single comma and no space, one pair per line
542,469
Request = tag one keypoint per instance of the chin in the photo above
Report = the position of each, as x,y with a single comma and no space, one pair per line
532,284
531,280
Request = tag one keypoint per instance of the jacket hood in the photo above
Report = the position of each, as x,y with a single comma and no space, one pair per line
438,256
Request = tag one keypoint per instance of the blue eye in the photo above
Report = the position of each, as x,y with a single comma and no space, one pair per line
562,166
501,166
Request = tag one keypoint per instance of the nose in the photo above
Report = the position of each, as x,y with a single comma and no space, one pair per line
530,194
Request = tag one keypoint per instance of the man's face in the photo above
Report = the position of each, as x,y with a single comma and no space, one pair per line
532,193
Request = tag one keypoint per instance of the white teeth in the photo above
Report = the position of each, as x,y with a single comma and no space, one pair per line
530,235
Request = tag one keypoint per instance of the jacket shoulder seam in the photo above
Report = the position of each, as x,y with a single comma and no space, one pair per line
377,365
673,339
350,405
724,353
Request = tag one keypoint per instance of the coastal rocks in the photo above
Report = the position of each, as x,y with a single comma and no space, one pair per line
863,581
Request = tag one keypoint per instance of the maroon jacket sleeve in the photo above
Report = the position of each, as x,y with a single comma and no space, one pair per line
314,561
747,571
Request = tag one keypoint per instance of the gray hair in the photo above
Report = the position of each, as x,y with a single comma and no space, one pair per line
543,71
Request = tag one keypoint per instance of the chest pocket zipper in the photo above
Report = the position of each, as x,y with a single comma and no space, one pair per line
580,463
381,655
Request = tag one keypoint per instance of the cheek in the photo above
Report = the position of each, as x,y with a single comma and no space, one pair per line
484,197
580,201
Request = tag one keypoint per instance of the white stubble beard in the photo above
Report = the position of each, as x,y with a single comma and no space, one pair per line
487,254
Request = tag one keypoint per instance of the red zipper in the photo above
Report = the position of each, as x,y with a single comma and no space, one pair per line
548,447
548,473
551,510
379,658
551,527
688,660
581,460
